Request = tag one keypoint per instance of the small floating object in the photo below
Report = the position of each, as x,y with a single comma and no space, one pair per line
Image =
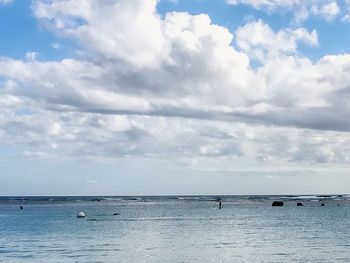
322,204
277,203
300,204
80,214
21,207
116,214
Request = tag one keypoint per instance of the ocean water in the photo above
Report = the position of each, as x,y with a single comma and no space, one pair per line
175,229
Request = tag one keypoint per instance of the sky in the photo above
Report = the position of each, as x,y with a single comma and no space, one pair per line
172,97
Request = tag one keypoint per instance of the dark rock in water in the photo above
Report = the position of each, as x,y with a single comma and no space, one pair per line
277,203
322,204
116,214
300,204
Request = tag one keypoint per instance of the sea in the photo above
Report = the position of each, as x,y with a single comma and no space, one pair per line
175,229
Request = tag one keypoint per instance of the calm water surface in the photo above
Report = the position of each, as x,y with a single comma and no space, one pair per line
175,229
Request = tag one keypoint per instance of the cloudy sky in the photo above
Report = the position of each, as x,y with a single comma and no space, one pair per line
129,97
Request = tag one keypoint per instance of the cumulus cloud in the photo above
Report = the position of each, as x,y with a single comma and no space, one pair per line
328,11
174,88
259,41
132,32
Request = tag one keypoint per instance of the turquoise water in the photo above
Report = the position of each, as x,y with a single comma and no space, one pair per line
170,229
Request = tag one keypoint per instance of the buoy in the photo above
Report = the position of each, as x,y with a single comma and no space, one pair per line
81,214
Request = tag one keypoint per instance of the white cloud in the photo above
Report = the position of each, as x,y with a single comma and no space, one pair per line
56,45
259,41
174,88
138,39
268,4
31,55
346,17
328,11
300,9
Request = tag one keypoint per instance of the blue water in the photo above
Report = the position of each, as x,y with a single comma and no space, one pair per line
175,229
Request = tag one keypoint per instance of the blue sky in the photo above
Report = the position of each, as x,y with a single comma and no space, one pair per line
20,32
174,97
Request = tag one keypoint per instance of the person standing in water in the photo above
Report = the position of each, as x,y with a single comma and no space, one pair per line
219,200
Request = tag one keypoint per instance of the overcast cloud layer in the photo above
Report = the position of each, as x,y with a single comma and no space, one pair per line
178,88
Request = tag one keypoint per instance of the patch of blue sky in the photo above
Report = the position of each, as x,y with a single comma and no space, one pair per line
25,112
2,82
20,33
333,36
